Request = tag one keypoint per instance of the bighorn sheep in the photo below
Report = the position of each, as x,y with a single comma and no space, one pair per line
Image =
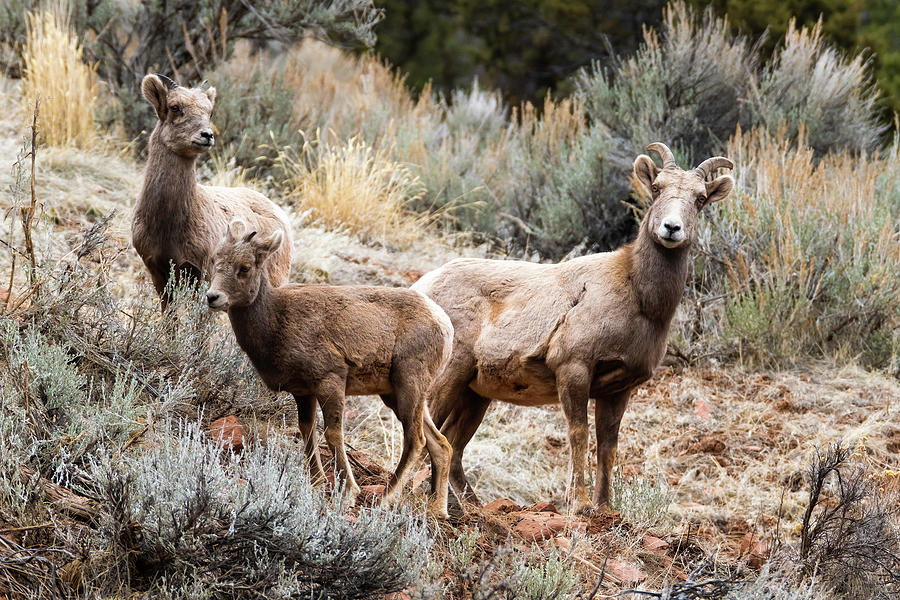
320,342
177,220
592,327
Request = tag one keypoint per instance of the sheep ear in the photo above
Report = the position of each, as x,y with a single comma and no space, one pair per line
211,94
157,93
265,247
718,189
646,171
236,229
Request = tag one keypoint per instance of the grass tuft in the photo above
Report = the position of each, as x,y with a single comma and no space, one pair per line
357,187
56,75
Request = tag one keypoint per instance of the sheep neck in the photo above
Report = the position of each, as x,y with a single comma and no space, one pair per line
170,185
252,324
658,276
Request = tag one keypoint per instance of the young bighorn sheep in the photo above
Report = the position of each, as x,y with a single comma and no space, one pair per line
593,327
320,342
178,221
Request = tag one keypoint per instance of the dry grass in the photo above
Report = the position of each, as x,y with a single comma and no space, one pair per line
356,187
57,76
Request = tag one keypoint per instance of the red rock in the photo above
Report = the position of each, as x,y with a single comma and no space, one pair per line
502,505
655,544
544,507
420,476
624,571
543,525
531,529
701,409
562,543
756,551
230,431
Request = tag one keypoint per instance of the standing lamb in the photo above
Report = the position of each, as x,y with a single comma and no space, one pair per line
321,342
593,327
176,220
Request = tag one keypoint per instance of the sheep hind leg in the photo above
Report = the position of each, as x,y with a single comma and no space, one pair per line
441,453
459,427
608,416
409,405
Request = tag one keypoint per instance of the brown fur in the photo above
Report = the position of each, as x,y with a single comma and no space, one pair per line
178,221
321,342
593,327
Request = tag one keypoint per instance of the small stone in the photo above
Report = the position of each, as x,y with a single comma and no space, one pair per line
544,507
420,476
230,431
502,505
755,550
624,571
562,543
532,529
655,544
543,525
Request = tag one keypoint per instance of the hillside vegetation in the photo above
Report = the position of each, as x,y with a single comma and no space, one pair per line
760,462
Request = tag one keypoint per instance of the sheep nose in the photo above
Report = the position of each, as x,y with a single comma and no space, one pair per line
207,135
211,297
672,227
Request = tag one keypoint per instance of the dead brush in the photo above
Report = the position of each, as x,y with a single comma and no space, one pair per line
850,535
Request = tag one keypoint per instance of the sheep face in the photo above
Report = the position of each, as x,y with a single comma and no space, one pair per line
239,266
184,127
679,196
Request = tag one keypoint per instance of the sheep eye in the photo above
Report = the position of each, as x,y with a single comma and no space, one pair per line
655,188
244,269
175,108
701,200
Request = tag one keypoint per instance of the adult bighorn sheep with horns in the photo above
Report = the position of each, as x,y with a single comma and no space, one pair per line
592,327
178,221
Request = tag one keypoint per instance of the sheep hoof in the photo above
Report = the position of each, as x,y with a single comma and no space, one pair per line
437,511
585,508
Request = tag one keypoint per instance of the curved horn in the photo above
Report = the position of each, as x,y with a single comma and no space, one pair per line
664,153
709,166
168,81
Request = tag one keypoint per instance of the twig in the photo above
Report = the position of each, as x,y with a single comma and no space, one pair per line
70,502
27,528
12,274
27,214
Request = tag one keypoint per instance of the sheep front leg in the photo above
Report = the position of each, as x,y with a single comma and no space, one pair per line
330,395
306,423
573,382
608,413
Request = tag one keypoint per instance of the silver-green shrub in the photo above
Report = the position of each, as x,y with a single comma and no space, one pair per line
251,526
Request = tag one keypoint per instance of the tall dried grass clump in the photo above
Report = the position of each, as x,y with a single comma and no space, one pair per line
356,187
803,257
311,87
56,75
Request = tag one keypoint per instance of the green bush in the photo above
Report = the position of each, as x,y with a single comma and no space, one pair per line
807,244
642,501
